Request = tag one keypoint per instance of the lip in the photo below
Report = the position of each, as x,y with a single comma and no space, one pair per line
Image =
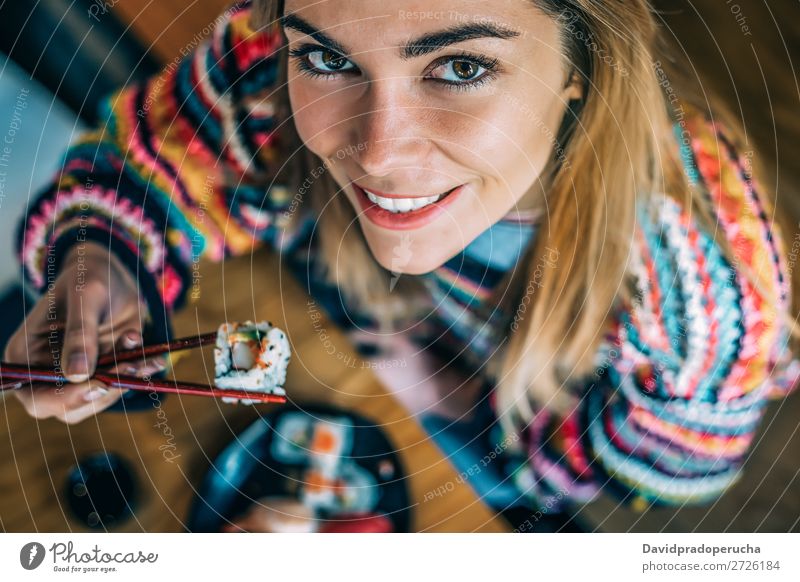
403,220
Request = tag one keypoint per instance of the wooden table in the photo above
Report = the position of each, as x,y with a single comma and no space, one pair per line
36,456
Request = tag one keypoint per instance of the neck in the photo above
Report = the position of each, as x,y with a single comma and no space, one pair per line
530,206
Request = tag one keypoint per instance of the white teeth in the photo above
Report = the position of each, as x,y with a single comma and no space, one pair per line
399,205
403,204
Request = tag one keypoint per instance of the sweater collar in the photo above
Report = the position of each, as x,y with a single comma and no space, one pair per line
475,270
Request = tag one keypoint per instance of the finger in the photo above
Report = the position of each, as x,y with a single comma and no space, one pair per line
48,400
35,407
131,339
141,368
76,415
84,311
29,342
16,348
112,343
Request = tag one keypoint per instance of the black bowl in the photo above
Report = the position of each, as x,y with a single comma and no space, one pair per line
101,491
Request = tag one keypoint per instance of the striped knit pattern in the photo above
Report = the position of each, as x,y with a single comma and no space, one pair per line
463,283
671,415
177,172
685,370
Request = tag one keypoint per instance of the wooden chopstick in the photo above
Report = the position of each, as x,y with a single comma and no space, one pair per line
25,374
141,352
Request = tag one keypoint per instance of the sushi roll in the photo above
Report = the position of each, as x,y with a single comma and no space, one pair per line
251,356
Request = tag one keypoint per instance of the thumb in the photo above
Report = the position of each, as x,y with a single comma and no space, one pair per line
84,310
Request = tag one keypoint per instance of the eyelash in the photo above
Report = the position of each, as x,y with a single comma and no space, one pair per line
490,65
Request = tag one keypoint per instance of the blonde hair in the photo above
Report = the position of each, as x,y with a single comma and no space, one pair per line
616,142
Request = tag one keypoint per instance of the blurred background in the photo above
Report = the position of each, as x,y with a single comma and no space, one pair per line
59,57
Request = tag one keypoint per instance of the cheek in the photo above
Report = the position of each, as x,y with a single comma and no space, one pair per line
520,138
502,146
315,116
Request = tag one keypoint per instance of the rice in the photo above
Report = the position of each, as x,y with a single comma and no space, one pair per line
251,356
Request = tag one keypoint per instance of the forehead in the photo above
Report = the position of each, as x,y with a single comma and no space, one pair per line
394,22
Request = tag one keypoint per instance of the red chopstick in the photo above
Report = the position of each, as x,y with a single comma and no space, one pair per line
25,374
141,352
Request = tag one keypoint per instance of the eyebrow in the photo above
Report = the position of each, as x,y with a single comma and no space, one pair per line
427,43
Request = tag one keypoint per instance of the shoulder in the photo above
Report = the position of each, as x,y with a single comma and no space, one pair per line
730,206
706,320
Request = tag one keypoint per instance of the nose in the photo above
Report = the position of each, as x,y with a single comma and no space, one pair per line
391,126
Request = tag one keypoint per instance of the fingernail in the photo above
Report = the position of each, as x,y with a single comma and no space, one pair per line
77,368
132,339
95,394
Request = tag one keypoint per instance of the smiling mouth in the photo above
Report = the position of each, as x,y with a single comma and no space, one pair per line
401,205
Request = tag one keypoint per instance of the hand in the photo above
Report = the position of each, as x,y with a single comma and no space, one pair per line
94,303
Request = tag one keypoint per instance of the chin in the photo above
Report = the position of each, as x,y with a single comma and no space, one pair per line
393,258
415,269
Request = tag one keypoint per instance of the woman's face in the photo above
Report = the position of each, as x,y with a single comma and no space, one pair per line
405,103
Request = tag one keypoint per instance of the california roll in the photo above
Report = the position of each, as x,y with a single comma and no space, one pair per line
251,356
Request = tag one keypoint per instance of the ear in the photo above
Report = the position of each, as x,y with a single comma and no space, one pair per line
573,89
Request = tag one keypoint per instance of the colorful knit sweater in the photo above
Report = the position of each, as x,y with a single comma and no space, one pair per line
683,377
